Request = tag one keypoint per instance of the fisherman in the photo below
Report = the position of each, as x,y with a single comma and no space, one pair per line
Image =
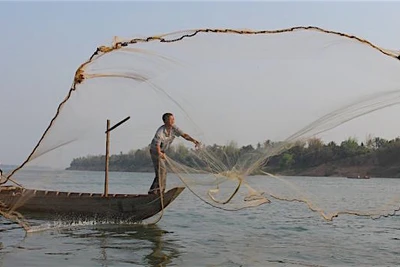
163,138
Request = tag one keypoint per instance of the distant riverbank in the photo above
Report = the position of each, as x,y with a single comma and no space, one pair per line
376,158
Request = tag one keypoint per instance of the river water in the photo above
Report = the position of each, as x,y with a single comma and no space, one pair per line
192,233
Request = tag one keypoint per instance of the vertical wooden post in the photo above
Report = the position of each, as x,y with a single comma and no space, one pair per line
107,158
108,151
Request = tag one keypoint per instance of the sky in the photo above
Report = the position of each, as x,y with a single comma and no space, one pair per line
43,43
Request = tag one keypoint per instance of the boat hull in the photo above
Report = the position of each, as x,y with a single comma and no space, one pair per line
75,206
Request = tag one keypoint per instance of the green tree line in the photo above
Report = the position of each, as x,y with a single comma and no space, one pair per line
375,157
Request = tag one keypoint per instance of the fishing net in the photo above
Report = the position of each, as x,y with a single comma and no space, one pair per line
3,179
248,96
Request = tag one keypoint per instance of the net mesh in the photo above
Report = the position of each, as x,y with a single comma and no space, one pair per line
231,89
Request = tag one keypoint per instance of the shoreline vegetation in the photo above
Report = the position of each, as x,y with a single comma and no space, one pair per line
376,157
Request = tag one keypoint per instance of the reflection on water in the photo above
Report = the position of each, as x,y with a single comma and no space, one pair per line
95,245
128,239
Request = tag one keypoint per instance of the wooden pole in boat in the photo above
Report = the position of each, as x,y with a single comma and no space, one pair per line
107,158
108,150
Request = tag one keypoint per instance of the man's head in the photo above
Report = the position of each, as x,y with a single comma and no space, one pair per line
168,118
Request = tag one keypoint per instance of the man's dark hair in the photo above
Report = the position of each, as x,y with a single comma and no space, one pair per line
166,116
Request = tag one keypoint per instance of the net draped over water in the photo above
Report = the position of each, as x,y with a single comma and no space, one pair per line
230,88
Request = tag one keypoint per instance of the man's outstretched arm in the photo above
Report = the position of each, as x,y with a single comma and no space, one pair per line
191,139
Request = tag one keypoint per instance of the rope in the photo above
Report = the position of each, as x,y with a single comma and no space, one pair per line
102,50
14,216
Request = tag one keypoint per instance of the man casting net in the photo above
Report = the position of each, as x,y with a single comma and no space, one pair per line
252,98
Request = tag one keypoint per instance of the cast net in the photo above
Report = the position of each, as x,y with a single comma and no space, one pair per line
267,106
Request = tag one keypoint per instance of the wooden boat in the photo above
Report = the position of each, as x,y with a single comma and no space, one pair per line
74,206
358,177
84,206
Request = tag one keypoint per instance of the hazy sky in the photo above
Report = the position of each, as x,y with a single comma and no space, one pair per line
43,43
